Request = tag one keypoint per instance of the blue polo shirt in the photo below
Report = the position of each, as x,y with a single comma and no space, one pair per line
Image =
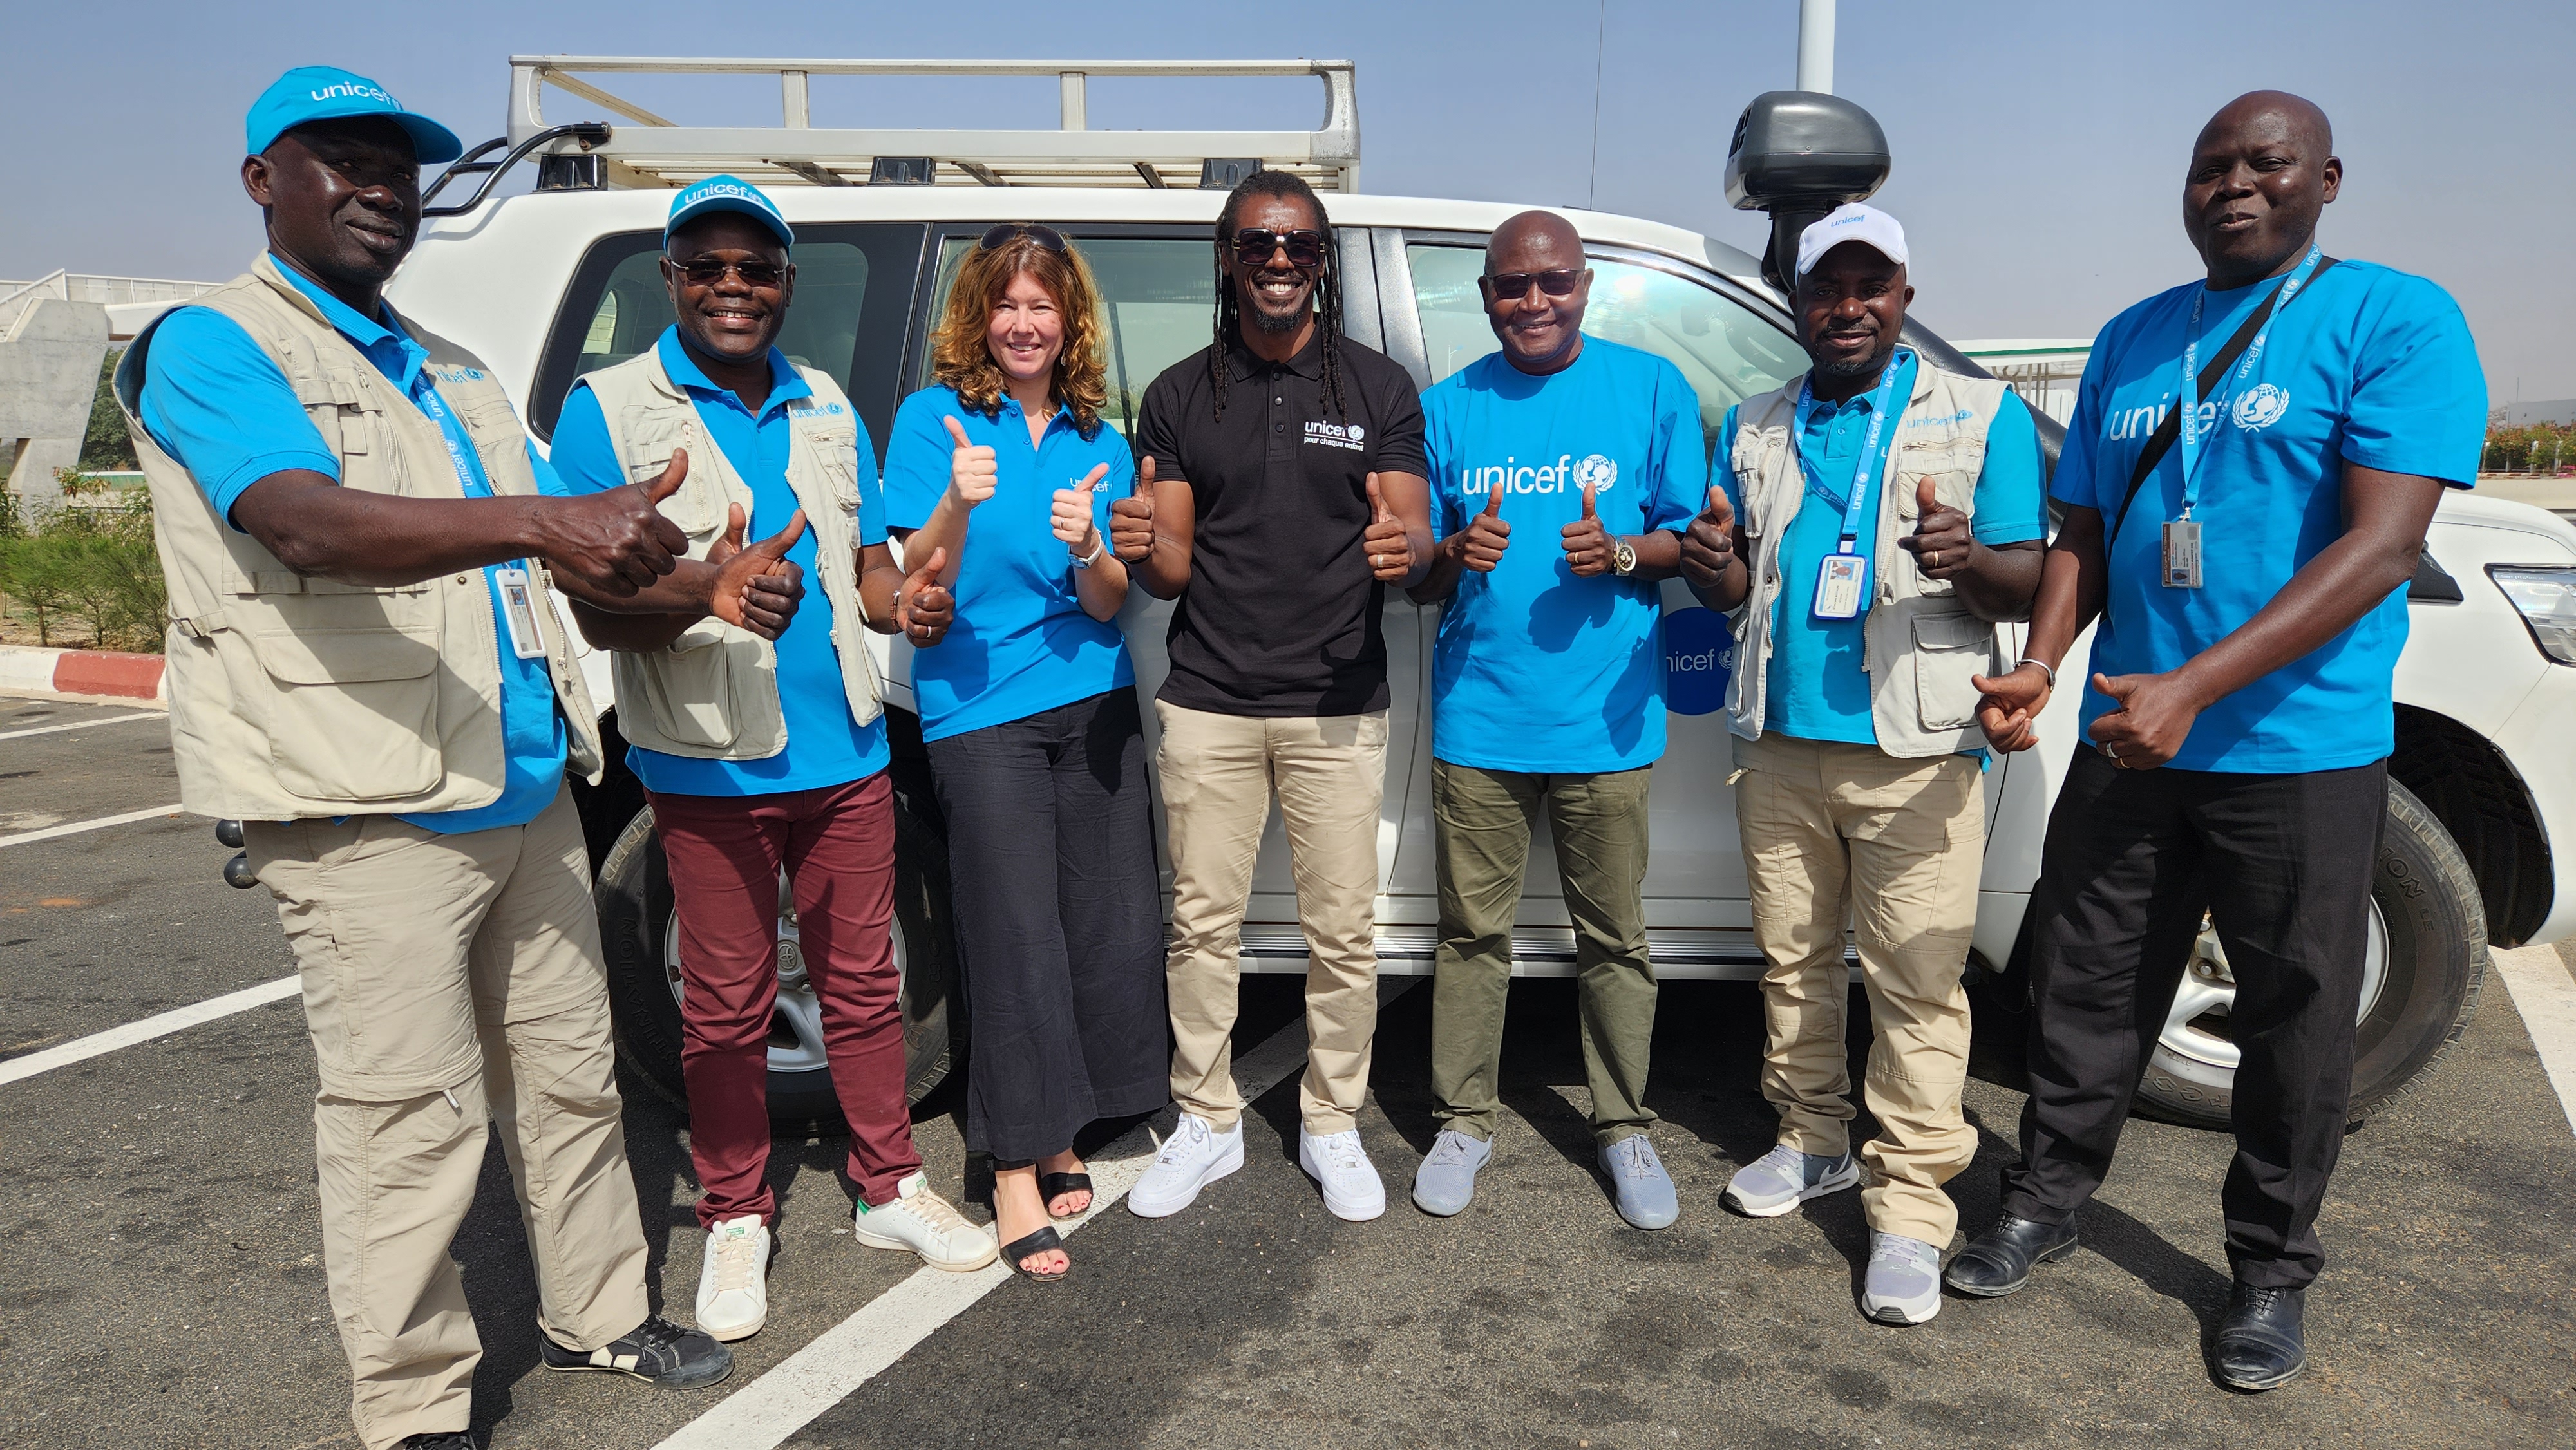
826,744
1536,669
2366,365
1818,684
218,403
1021,644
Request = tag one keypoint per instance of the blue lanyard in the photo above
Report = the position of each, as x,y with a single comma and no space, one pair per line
1869,441
2189,441
435,406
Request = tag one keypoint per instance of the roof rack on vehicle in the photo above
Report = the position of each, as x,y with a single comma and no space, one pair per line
642,149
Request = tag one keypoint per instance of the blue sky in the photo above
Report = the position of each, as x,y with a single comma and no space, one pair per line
2039,146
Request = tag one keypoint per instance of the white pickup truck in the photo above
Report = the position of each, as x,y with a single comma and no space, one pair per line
551,283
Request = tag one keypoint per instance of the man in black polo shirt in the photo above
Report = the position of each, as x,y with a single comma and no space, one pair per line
1280,490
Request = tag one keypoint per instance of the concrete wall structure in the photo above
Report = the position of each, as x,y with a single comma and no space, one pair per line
49,360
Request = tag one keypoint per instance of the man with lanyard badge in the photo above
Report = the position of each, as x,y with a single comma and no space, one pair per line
2248,563
1858,789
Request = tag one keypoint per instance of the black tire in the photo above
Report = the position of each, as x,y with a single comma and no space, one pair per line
2435,921
633,896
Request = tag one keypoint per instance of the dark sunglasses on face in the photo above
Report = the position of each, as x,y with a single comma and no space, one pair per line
707,272
1253,247
1001,236
1513,286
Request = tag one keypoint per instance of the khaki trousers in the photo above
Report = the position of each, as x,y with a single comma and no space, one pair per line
1219,773
447,978
1831,831
1597,822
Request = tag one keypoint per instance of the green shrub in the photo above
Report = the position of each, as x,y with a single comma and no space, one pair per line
106,446
95,564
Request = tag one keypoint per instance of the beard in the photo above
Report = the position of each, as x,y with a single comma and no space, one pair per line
1275,324
1859,367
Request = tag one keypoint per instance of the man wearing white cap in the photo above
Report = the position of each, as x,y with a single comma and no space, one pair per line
1894,514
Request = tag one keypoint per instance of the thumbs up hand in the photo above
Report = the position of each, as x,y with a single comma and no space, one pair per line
971,469
1708,545
1390,548
616,541
1131,519
2153,718
924,607
1587,544
1480,545
1070,514
1941,543
2008,706
756,588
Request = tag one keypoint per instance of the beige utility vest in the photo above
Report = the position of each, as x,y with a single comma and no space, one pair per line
1921,643
295,696
712,694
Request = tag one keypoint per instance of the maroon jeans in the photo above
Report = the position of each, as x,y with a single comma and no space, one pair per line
837,845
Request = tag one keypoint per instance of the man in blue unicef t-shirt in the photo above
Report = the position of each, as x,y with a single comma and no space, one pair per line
2248,563
1561,468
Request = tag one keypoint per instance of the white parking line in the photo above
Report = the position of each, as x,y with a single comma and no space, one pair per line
82,724
2545,995
74,828
763,1414
100,1043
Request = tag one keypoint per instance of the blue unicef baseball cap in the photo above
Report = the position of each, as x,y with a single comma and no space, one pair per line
726,193
327,93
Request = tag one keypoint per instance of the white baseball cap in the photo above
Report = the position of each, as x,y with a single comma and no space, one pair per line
1851,222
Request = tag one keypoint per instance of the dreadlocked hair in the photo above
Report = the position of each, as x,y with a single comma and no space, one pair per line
1328,286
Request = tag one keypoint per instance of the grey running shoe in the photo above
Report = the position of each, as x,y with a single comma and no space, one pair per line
1783,1178
1446,1181
656,1351
1644,1190
1904,1283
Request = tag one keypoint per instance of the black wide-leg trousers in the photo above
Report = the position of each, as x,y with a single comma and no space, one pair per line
2282,865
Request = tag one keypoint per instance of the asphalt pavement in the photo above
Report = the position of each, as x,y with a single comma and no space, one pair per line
161,1281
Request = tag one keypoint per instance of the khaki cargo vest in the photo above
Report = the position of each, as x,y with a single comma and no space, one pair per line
1922,643
293,696
712,694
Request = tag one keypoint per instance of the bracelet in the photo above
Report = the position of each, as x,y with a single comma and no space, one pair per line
1098,543
2043,669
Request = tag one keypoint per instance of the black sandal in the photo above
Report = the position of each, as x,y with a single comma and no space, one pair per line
1036,1243
1052,1186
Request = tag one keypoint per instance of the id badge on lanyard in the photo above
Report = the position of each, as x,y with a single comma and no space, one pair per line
2181,551
1842,577
518,594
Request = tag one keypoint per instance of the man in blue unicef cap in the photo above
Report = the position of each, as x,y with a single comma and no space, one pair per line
395,743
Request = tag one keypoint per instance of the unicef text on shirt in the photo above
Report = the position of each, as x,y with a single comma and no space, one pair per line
1336,435
2262,406
1510,476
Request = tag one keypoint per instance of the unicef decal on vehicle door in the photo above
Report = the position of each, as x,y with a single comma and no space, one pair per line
1699,658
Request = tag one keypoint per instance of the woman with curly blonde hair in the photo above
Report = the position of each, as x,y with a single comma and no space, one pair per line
1028,708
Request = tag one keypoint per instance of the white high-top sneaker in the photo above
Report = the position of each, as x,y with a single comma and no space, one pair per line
921,1222
1195,1156
1337,1162
733,1281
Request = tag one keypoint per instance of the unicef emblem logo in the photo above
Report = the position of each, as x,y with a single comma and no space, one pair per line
1595,472
1355,432
2262,407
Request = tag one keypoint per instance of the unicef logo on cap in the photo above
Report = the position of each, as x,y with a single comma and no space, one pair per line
2262,407
1595,472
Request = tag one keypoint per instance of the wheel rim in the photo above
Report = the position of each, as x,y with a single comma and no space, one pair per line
796,1022
2196,1027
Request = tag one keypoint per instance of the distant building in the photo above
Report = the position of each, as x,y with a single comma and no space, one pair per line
2523,415
2043,370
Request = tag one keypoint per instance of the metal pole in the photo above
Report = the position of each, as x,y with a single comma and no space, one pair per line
1816,45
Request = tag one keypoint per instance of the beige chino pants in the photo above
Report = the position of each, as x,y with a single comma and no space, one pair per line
1834,831
1219,773
447,978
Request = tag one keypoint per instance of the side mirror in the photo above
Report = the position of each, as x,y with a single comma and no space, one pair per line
1797,155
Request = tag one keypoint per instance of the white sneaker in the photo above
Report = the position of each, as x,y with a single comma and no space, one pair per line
733,1280
1195,1156
921,1222
1350,1182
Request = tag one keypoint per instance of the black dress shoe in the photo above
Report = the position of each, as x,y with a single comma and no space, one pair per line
2263,1340
440,1440
1999,1260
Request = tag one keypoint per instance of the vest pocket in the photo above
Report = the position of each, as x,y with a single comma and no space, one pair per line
354,713
1949,649
689,687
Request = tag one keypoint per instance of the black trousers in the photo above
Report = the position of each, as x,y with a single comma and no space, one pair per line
1051,873
2282,864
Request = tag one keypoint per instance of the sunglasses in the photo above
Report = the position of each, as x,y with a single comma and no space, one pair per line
707,272
1513,286
1254,246
1003,235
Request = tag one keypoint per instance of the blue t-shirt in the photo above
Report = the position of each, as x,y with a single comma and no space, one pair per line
1021,643
218,403
826,745
2368,366
1817,687
1536,669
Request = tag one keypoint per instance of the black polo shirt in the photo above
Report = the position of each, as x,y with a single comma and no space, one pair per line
1281,617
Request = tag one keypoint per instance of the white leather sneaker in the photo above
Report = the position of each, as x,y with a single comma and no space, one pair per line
1351,1186
733,1280
1195,1156
921,1222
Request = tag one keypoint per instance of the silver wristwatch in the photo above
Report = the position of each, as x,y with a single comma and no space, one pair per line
1623,558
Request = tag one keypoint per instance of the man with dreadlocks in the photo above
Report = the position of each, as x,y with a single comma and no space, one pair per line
1280,489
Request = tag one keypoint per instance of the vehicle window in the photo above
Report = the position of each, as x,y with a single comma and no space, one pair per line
1725,350
853,293
1158,293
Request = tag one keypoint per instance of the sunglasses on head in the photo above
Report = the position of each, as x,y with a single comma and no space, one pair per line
1254,246
707,272
1003,235
1513,286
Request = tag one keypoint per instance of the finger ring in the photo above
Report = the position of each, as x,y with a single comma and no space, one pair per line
1932,559
2107,752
